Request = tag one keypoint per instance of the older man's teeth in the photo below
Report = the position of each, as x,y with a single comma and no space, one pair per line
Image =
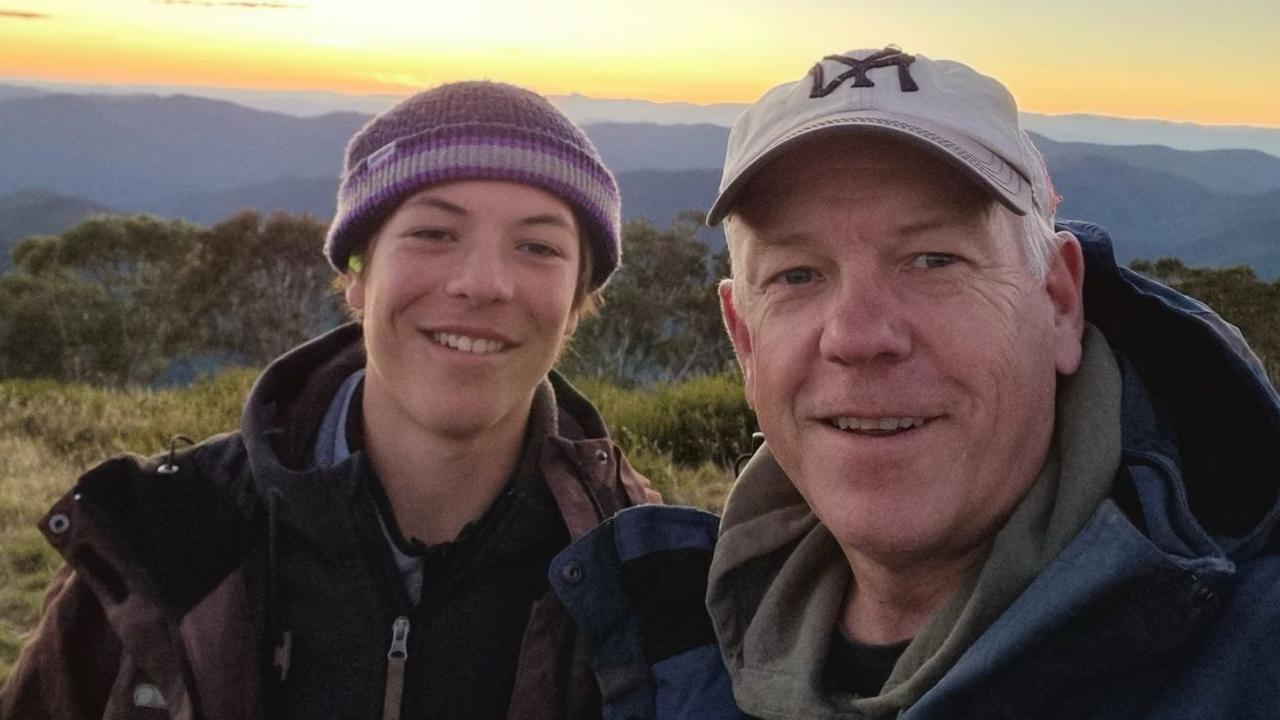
468,344
883,424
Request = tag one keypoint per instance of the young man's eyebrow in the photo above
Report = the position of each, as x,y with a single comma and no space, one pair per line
554,219
435,202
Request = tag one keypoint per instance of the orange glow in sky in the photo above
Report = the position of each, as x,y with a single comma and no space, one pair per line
1174,59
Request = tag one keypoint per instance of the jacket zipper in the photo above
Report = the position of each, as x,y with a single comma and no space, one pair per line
397,655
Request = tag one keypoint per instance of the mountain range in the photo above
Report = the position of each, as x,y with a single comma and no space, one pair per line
65,156
38,212
585,110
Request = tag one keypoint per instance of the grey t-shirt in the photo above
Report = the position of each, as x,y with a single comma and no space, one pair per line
332,448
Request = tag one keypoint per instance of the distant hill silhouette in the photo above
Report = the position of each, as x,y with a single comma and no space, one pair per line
38,212
203,159
585,110
657,195
1078,127
1251,236
10,92
129,151
1151,213
646,146
314,196
1222,171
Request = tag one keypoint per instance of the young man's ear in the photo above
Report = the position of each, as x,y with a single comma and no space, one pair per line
739,335
1064,283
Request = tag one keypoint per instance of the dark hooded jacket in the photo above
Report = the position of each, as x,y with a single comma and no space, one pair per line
1164,604
236,579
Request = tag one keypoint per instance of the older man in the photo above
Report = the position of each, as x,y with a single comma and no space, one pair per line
988,489
1003,477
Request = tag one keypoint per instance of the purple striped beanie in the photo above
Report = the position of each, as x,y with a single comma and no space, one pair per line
474,130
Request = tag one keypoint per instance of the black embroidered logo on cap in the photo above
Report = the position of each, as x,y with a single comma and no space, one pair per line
858,70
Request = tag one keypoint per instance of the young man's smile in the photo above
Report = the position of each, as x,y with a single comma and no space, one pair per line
467,297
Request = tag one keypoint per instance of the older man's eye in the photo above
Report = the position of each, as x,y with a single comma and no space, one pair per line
796,276
932,261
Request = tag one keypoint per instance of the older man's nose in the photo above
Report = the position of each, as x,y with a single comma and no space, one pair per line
864,323
483,276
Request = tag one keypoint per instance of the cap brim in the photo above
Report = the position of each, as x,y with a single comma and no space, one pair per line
984,167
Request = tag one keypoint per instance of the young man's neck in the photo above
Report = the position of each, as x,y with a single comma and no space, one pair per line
436,483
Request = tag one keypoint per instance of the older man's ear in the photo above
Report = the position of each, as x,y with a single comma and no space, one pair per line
739,335
1064,282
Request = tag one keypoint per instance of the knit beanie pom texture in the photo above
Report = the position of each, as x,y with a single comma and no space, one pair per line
476,130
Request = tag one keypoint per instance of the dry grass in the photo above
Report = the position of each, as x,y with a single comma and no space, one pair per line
704,486
49,434
31,478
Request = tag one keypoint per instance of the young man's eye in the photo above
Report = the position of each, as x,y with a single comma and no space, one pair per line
433,234
932,261
796,276
538,248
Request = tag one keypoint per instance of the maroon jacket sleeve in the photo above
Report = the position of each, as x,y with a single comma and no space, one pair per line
71,661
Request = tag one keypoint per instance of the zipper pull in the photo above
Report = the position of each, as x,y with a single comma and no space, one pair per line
396,657
399,639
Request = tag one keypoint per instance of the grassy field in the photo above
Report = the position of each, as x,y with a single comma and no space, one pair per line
50,433
30,479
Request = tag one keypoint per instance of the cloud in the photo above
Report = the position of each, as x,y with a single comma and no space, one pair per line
23,15
406,80
265,5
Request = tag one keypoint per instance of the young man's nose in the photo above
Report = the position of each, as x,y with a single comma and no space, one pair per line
482,276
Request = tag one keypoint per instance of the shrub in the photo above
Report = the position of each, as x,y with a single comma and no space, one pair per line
698,421
84,424
705,486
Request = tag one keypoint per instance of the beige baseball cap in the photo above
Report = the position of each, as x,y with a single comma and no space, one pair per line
966,118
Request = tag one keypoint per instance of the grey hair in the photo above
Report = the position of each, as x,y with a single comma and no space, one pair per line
729,221
1040,242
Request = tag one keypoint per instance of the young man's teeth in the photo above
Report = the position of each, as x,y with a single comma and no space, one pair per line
884,423
467,344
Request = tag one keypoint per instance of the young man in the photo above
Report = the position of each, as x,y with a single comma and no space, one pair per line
374,540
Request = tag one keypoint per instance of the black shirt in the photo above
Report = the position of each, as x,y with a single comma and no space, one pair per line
341,597
860,668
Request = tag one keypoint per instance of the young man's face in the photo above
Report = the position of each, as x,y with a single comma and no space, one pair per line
466,297
898,351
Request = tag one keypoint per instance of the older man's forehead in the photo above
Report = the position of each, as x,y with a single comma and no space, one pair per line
870,149
845,170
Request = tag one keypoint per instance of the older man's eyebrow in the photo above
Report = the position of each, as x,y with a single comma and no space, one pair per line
928,224
781,240
920,227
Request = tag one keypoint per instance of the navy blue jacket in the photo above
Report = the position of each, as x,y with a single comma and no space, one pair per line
1166,604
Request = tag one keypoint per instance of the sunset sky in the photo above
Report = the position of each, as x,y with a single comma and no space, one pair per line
1208,62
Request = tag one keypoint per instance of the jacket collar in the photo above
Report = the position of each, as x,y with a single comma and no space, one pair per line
585,471
1206,394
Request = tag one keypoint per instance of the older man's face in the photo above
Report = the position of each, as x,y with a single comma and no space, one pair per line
900,355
